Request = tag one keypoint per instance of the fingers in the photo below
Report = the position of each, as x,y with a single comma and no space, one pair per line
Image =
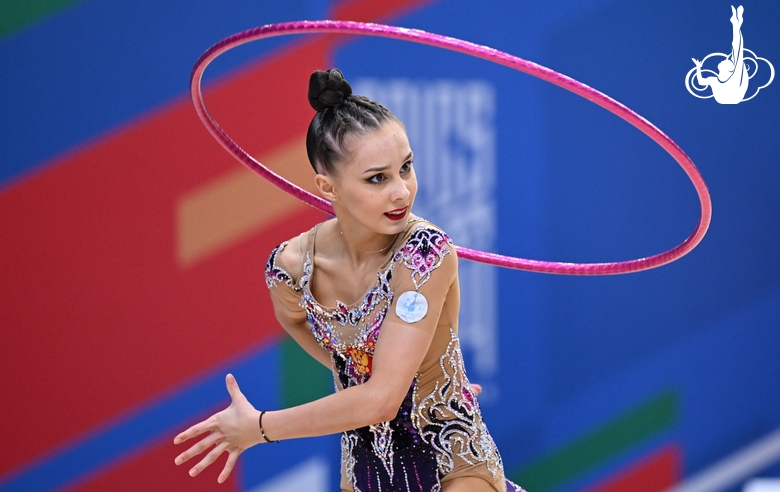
196,430
231,462
232,386
477,388
208,459
217,437
199,447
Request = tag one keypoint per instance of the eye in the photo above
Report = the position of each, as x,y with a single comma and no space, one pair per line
406,167
377,178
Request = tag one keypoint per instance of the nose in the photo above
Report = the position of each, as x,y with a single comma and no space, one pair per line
400,191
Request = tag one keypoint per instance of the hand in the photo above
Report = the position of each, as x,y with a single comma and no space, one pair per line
696,62
476,388
234,429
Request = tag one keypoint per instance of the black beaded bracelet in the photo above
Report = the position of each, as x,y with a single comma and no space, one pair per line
260,422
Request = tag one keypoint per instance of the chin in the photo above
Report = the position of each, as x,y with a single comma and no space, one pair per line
389,228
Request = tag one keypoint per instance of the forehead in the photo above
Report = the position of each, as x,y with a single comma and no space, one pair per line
386,145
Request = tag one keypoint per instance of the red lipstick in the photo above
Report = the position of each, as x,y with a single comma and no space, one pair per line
397,214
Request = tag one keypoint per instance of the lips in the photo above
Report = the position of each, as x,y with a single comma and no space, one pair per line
397,214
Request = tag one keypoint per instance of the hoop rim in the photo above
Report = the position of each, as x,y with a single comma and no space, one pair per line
486,53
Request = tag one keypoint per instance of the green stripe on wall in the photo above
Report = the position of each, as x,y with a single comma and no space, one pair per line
15,14
303,378
603,443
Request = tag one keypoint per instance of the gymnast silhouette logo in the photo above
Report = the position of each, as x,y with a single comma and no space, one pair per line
729,85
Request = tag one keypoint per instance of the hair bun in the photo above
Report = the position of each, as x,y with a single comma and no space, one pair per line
328,89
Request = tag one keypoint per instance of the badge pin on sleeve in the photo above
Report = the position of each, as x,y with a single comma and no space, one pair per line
411,306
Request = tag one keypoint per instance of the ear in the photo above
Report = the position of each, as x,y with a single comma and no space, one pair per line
326,186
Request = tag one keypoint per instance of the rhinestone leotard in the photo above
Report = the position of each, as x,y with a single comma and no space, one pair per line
438,433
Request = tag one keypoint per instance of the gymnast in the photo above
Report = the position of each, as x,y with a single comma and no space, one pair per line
373,295
731,84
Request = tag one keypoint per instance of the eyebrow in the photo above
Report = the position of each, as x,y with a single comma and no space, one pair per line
382,168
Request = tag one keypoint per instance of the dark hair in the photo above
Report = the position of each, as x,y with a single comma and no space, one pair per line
339,114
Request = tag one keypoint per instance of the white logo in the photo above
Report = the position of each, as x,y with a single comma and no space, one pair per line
411,306
729,85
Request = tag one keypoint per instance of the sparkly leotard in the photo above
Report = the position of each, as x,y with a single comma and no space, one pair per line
438,434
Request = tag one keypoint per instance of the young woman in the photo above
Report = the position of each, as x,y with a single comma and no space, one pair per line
373,295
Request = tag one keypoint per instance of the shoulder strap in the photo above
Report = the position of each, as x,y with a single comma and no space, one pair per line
311,238
307,259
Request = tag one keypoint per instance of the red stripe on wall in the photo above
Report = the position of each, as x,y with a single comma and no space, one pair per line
654,473
154,470
373,11
98,315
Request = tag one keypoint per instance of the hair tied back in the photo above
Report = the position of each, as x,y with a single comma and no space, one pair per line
328,89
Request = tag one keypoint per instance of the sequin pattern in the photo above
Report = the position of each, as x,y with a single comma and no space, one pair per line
352,353
348,442
418,448
390,456
451,421
423,253
275,274
512,487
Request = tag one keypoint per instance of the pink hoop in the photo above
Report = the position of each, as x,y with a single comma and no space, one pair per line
478,51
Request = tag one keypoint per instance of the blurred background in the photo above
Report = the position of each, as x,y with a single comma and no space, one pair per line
132,247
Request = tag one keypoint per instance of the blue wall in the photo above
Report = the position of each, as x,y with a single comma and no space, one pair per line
573,183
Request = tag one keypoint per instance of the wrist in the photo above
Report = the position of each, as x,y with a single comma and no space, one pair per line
263,427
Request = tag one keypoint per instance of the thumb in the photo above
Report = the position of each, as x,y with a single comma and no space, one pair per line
232,386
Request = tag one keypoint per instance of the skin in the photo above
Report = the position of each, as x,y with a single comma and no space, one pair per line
375,177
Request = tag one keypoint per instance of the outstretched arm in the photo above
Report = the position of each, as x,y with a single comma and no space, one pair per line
398,356
399,352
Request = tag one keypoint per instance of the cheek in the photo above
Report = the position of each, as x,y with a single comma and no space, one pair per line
412,185
364,200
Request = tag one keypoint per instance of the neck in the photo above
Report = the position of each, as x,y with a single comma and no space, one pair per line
362,245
